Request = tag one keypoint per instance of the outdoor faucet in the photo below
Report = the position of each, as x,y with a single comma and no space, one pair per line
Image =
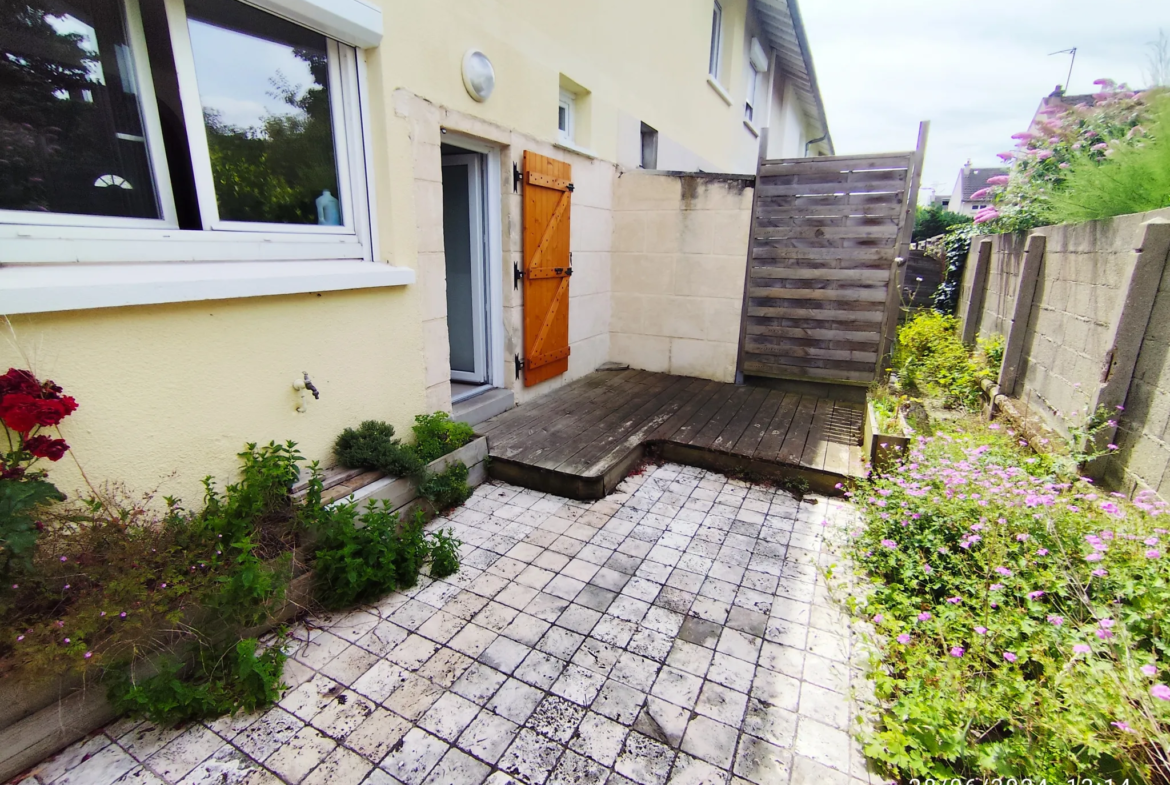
300,385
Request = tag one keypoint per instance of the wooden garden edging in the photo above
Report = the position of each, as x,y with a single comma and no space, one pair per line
39,720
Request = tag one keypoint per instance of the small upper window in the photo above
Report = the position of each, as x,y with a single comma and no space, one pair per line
566,109
716,39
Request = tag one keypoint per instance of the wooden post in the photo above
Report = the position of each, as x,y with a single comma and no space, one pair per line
902,244
1129,328
974,309
747,274
1013,349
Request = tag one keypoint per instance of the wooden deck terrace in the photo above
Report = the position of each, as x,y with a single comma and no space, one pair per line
581,440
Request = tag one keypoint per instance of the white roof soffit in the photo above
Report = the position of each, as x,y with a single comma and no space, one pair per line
785,31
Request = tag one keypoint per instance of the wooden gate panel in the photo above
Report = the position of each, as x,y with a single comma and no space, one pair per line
820,286
547,267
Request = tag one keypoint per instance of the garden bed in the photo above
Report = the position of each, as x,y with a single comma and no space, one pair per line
881,447
40,718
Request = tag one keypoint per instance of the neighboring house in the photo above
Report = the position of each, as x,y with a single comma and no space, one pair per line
201,201
1057,100
972,179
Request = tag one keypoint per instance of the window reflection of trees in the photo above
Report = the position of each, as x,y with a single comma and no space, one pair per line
274,172
68,113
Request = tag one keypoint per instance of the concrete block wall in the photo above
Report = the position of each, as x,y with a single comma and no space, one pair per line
1069,337
679,256
1143,458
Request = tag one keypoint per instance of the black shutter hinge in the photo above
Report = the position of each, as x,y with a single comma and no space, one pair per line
516,177
569,187
517,275
519,365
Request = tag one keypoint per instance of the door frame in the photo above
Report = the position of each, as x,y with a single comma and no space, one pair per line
477,234
494,256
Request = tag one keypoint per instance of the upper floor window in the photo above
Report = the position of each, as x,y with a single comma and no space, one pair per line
236,127
566,116
716,39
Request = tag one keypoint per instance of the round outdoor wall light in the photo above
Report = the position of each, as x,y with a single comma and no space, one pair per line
478,75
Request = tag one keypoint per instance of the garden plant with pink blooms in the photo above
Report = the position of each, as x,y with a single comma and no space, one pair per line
1021,616
1063,141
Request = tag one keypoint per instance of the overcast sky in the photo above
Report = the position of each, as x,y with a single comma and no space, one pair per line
976,69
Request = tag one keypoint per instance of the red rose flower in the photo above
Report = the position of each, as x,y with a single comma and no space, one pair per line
44,447
17,381
52,411
20,411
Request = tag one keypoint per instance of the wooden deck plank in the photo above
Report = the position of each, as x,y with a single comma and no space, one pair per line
837,440
530,413
565,442
793,448
777,429
590,428
607,438
725,441
710,432
754,433
562,412
816,445
688,411
688,430
598,457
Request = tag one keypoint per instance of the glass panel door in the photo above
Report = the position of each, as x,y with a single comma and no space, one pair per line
463,241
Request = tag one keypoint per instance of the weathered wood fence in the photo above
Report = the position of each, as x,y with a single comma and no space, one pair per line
821,294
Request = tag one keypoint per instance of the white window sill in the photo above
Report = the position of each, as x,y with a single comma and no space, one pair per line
719,89
748,124
36,288
565,144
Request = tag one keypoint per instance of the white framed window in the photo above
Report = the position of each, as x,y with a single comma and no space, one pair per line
716,39
182,130
566,116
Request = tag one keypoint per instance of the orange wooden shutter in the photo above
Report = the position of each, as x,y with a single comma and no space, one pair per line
547,192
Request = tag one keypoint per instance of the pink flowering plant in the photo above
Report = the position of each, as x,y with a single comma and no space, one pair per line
1038,639
1062,138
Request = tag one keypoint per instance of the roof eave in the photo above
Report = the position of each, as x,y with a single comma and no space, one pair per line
785,29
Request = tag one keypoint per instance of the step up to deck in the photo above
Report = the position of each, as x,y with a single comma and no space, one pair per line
484,406
581,440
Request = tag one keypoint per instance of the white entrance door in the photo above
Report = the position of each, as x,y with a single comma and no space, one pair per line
464,245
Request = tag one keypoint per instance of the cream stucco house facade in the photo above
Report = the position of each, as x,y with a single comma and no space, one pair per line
209,201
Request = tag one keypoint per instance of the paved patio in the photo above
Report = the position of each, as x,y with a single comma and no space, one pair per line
677,631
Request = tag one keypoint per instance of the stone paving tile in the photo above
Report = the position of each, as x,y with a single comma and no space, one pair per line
677,632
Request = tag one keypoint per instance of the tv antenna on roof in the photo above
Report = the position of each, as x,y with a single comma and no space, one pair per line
1072,60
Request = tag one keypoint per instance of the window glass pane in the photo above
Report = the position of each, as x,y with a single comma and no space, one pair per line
264,86
71,131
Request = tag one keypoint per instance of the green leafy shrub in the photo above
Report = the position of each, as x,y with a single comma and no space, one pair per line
930,357
363,556
116,588
447,488
437,434
1023,617
933,220
444,554
372,445
1134,178
1066,139
220,682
